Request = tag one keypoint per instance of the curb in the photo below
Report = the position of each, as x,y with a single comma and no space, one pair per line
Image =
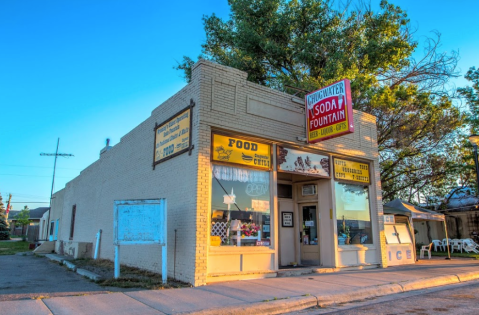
359,294
70,265
73,267
54,257
304,302
429,282
88,274
270,307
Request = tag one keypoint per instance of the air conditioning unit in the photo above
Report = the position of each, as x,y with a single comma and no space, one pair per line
309,190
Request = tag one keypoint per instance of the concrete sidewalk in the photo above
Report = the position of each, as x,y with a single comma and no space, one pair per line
260,296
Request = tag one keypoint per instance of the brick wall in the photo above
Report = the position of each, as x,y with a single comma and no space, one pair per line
230,103
125,172
224,101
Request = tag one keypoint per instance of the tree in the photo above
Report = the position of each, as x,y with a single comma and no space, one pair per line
4,231
471,96
23,218
309,44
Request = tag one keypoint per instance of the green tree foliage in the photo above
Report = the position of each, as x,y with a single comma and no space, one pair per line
311,43
4,231
471,96
23,218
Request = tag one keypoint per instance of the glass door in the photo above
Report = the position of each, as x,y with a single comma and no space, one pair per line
309,234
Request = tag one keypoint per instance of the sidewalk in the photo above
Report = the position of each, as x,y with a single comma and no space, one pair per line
260,296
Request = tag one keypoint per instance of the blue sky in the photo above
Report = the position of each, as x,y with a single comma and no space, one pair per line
84,71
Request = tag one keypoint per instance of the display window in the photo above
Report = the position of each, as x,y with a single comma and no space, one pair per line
240,207
353,214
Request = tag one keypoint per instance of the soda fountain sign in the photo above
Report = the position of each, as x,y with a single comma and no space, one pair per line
329,112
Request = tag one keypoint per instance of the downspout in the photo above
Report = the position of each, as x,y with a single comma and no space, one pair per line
97,246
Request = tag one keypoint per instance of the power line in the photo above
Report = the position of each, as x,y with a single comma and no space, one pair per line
34,175
29,202
34,166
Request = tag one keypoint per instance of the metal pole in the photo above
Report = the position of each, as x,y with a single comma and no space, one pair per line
477,168
411,227
447,240
117,261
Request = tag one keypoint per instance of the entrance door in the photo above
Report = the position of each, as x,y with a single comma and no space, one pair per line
309,232
56,230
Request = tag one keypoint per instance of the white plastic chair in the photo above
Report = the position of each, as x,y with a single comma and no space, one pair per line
437,243
476,246
456,244
468,246
426,248
444,242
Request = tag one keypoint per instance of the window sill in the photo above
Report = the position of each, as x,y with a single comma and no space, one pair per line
356,247
233,250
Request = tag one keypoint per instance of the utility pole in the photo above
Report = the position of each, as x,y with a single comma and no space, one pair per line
56,154
8,205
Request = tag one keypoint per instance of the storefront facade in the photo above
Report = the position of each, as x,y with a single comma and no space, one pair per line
246,193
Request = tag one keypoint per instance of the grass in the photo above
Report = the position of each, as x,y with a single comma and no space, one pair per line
455,254
130,277
11,248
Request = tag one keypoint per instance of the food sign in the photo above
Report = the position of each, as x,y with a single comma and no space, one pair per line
173,137
329,112
240,151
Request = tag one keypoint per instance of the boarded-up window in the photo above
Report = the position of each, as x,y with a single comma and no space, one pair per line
72,224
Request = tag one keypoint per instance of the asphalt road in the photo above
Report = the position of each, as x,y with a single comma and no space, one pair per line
454,299
26,277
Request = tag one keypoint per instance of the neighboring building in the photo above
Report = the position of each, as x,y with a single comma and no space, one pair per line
462,212
292,207
33,229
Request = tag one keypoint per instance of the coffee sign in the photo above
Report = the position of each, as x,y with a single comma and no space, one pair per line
329,112
240,151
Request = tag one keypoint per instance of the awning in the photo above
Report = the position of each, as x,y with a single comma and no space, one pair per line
400,207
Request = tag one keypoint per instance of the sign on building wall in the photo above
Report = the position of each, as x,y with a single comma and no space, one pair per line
389,219
140,222
329,112
305,163
240,151
352,171
173,137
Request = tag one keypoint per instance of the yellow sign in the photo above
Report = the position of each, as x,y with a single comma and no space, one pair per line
239,151
349,170
173,137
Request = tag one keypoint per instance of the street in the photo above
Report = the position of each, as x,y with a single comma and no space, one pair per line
453,299
26,277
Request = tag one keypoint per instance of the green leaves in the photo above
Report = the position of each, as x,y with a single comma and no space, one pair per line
311,43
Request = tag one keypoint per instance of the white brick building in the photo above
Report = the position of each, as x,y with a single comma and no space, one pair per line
197,184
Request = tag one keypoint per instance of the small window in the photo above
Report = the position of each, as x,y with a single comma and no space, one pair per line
285,191
72,224
52,225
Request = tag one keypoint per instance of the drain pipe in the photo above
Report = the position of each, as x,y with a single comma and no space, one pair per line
174,259
98,236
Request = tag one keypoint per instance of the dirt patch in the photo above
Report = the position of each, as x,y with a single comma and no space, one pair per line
131,277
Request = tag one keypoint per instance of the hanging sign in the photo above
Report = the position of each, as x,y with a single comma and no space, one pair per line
240,151
352,171
329,112
173,137
304,163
